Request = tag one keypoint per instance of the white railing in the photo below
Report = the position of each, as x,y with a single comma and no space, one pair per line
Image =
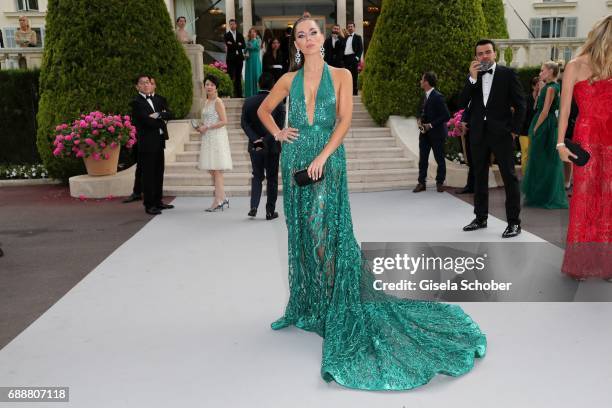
535,51
21,57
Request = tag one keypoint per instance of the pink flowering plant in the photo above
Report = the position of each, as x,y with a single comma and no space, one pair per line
453,124
90,134
219,65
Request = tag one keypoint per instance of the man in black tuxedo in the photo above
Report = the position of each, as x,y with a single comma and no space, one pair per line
286,48
353,48
492,91
334,48
234,44
263,149
432,123
149,115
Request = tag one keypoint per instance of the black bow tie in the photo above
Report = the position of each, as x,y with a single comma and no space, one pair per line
149,97
488,71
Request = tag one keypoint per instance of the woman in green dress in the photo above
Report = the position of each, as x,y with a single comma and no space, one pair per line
252,69
371,340
543,184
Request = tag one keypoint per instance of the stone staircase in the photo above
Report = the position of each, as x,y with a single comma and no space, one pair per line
375,161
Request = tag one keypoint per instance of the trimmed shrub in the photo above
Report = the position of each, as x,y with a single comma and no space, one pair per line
494,15
18,107
525,74
93,52
226,86
412,37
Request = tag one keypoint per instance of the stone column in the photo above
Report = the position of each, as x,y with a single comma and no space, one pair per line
195,53
341,13
247,17
230,12
358,14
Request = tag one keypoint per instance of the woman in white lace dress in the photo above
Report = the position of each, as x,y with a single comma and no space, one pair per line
215,155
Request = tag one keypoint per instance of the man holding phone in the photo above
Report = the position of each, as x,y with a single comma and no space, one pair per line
497,108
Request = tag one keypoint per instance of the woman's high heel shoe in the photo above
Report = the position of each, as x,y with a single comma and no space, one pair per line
215,208
225,202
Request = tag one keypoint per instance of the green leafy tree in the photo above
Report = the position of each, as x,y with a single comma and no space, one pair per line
412,37
94,49
494,15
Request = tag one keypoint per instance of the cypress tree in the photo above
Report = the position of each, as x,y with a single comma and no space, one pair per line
494,15
93,51
412,37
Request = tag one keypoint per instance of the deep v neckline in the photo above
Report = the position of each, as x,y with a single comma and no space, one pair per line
316,98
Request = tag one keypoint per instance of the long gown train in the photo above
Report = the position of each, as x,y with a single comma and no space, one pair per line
372,340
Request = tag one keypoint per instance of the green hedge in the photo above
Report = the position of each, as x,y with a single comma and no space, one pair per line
18,106
525,74
226,86
494,15
412,37
93,52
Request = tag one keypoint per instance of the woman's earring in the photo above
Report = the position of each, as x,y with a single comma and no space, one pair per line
298,57
322,52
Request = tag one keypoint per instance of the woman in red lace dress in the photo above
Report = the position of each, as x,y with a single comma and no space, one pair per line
589,78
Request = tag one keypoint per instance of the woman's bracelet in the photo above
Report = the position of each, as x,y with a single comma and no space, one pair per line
559,145
277,134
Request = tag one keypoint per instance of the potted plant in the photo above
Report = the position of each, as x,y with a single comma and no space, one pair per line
97,138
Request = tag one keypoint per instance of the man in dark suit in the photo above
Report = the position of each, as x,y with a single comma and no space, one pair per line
263,149
234,44
334,48
137,189
149,115
432,123
353,48
493,92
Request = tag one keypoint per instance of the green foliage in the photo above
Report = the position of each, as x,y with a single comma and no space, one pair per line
18,105
494,15
226,86
93,52
412,37
22,171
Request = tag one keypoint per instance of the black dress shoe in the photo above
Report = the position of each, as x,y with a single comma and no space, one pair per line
439,187
512,230
476,224
132,198
163,206
465,190
419,187
253,212
271,216
153,211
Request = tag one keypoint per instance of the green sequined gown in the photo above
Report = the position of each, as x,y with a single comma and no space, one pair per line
372,341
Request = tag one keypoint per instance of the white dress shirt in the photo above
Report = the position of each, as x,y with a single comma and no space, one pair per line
348,49
428,93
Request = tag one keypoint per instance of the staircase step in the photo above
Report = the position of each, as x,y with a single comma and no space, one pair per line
238,179
237,144
351,164
241,191
352,133
354,123
354,153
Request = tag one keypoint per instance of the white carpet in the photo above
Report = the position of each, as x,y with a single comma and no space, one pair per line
179,316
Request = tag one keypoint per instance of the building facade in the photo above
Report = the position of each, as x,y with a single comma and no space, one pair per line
541,30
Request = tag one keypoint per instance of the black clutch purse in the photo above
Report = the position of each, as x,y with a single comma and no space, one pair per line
302,179
583,155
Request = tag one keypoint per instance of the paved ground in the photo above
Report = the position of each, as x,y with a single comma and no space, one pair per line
50,242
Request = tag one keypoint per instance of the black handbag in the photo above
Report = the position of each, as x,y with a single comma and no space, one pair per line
302,179
583,155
